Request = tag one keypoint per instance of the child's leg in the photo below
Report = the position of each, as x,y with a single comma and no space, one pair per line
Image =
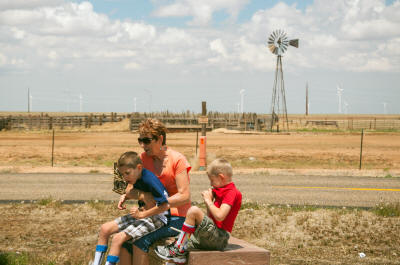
106,230
116,244
194,217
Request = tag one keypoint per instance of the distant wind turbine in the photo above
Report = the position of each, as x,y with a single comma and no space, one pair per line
339,94
384,107
242,91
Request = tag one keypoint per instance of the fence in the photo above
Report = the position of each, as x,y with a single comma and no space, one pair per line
188,121
45,121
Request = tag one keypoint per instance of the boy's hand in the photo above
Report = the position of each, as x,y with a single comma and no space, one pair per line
136,213
207,196
121,202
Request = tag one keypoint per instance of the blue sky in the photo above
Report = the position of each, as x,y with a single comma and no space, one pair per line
156,55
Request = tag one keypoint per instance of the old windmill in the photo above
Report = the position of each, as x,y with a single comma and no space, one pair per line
278,43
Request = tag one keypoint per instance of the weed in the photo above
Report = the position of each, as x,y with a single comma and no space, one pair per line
387,209
13,259
388,176
45,201
94,171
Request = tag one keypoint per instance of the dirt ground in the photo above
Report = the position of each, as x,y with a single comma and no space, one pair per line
79,151
54,233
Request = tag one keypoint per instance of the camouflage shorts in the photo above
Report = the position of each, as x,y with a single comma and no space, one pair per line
208,236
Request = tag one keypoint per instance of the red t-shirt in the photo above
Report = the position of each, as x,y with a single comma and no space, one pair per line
228,194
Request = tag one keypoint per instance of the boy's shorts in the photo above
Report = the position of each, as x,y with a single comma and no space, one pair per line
137,228
145,242
208,236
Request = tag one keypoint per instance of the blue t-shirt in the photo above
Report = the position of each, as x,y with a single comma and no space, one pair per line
150,183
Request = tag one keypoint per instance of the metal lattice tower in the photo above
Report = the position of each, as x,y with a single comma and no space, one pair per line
278,44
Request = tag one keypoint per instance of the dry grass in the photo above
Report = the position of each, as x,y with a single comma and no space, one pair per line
54,233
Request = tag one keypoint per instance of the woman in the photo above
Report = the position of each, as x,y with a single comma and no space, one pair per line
172,169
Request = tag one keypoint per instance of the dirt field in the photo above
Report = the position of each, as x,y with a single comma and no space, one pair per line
52,233
21,151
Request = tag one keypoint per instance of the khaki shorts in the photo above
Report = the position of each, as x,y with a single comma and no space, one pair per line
208,236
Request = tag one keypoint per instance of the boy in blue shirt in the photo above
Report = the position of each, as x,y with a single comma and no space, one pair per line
139,222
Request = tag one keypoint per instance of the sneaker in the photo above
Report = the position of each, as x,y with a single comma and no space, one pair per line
171,253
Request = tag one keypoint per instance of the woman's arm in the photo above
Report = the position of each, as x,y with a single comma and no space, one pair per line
136,213
183,194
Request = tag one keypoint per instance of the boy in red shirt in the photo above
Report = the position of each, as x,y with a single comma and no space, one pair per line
210,231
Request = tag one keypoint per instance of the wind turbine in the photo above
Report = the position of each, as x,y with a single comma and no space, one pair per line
384,107
242,91
339,94
80,102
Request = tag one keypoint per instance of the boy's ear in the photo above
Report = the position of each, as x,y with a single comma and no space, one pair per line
139,166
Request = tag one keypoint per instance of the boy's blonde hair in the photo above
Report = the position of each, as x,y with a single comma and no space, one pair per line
129,159
220,166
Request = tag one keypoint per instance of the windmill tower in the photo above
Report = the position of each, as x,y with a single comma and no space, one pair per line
278,44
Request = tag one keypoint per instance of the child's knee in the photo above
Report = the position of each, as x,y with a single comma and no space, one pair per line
107,229
194,210
119,238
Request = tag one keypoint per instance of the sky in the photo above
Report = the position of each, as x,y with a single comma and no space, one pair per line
159,55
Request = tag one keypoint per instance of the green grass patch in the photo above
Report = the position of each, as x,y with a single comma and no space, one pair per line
387,209
45,201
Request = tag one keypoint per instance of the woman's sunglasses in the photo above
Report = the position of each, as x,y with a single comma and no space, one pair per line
145,140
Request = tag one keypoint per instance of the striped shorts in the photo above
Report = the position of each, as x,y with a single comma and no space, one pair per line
137,228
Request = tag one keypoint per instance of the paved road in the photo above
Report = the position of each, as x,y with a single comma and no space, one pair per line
299,190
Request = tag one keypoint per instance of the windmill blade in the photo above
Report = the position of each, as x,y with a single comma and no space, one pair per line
294,43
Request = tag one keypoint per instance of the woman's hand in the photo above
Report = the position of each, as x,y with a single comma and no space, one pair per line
121,202
136,213
147,198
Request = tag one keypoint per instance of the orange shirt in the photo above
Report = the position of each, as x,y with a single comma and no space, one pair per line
175,164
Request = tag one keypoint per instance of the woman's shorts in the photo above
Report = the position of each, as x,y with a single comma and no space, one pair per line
137,228
208,236
146,241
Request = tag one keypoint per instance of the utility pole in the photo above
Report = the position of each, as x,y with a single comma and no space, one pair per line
29,100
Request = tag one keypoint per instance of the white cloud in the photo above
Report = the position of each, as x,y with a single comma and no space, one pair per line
355,31
219,47
363,34
201,11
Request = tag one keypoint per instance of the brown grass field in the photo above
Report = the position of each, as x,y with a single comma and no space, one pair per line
49,232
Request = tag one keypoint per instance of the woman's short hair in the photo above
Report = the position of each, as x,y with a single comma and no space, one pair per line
219,166
153,127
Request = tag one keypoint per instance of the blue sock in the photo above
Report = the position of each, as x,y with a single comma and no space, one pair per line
100,254
112,260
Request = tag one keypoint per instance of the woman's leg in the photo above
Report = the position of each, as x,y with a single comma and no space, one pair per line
125,257
139,257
